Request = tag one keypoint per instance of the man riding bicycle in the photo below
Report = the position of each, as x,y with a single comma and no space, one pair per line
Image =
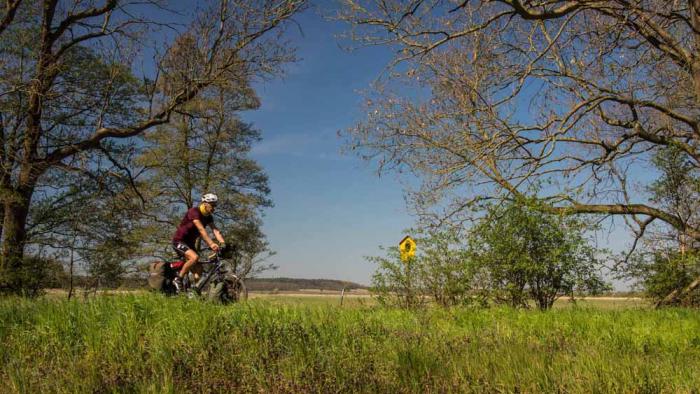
192,227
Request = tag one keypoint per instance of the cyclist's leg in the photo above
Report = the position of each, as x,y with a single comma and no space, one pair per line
191,258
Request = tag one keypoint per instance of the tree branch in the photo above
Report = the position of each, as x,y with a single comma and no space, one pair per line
71,19
10,11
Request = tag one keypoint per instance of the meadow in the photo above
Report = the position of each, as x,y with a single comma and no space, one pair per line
147,343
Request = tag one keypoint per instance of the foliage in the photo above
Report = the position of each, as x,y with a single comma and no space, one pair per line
515,254
527,254
440,271
72,97
666,262
91,218
677,188
488,97
153,344
447,270
662,272
395,283
39,272
73,203
202,151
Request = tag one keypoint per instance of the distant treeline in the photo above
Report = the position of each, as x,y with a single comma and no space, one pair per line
295,284
253,284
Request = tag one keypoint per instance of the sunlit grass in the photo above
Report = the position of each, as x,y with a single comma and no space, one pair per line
147,343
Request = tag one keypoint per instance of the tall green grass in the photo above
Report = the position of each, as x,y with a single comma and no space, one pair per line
152,344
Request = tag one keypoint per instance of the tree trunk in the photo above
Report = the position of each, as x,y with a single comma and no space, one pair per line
15,218
694,6
72,261
2,222
696,80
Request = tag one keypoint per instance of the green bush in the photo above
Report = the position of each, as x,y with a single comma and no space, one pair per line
527,254
441,272
36,274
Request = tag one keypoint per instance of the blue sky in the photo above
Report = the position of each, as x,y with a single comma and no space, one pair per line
331,209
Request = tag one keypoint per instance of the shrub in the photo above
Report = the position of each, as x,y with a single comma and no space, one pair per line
526,254
441,272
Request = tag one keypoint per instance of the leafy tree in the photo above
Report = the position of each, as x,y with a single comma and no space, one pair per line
677,190
666,266
489,97
87,218
528,255
205,149
38,272
68,92
664,273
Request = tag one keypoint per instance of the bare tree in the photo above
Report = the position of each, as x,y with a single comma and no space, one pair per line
67,85
487,98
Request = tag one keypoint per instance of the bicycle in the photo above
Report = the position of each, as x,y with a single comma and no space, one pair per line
218,283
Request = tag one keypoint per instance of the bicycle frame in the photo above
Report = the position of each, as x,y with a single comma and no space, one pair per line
216,271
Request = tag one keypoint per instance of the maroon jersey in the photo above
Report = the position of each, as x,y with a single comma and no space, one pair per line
187,232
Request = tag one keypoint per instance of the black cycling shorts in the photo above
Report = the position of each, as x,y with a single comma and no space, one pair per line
180,247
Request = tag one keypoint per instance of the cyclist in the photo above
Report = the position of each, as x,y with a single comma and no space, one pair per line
192,227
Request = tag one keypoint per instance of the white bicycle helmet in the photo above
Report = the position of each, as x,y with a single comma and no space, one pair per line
210,198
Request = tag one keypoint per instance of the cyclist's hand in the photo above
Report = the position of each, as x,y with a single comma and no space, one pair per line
214,247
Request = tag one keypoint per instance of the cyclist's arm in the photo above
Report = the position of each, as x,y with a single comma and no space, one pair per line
217,233
203,233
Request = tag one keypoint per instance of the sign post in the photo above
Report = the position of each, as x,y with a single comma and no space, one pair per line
407,247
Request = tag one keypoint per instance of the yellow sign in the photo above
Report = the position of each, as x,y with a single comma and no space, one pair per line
407,247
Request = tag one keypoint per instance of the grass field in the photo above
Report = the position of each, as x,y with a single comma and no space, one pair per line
146,343
365,300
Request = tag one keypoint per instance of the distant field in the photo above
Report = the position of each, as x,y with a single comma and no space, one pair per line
362,297
147,343
314,298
